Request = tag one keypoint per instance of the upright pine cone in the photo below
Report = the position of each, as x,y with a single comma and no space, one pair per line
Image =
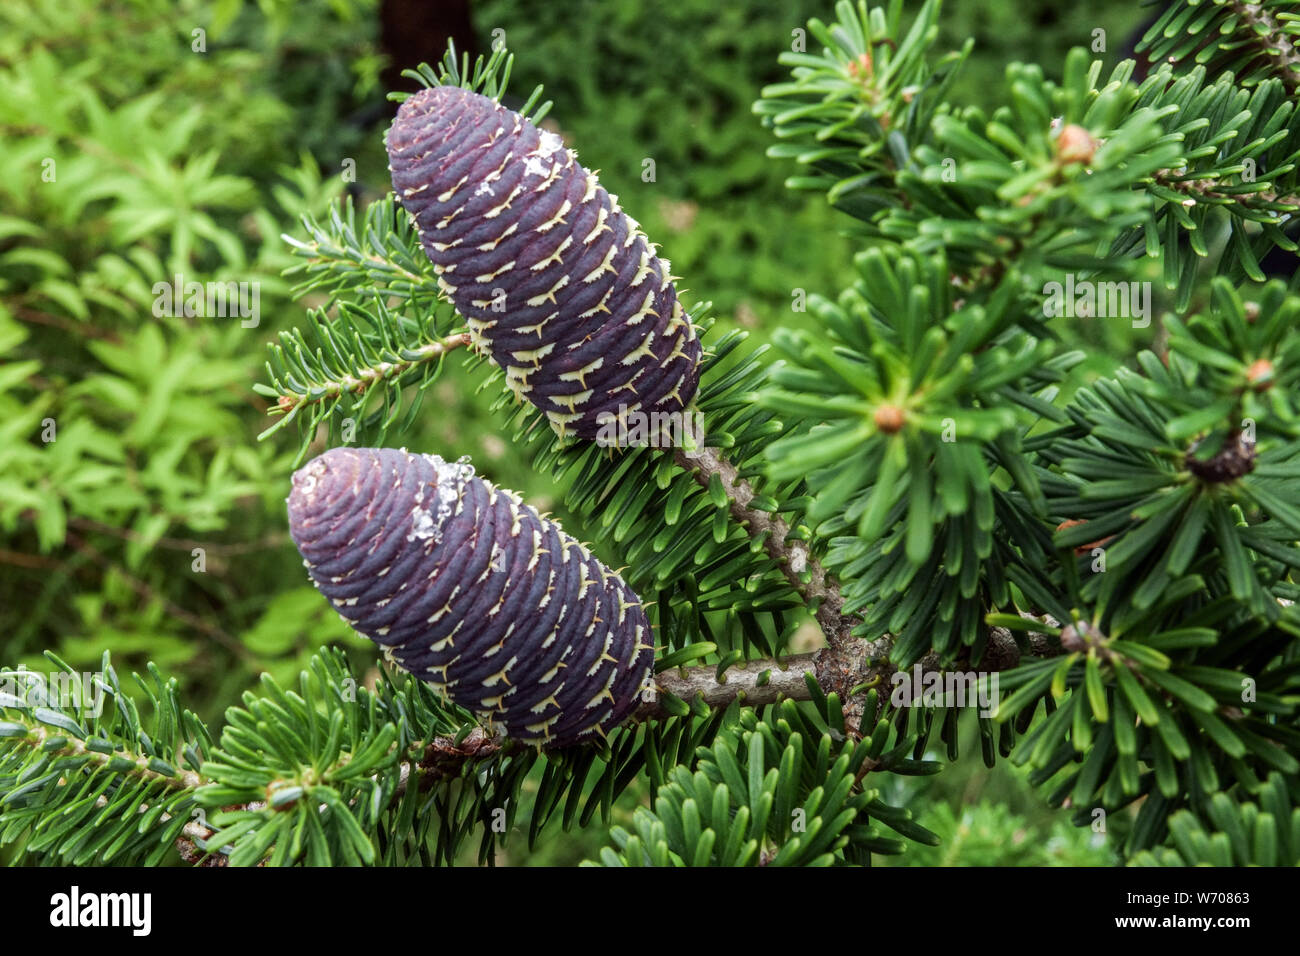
472,591
559,286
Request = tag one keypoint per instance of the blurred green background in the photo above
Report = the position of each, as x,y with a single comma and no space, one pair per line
140,139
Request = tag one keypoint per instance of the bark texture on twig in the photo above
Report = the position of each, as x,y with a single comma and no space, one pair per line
786,679
797,562
837,670
1269,36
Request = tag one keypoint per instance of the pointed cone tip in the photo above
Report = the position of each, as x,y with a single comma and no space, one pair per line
323,479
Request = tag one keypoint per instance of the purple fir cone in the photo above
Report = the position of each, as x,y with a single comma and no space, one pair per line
472,591
559,286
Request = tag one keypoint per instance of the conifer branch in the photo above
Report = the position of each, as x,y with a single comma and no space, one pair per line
363,379
756,683
445,756
797,562
1210,189
149,771
1271,37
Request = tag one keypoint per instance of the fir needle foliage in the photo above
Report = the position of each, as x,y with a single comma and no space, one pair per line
922,467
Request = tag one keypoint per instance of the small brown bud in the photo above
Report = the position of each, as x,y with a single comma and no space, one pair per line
1260,374
1084,548
1075,145
889,418
861,69
1079,637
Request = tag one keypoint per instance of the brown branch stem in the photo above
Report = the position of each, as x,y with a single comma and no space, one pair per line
757,683
1266,33
795,559
367,377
